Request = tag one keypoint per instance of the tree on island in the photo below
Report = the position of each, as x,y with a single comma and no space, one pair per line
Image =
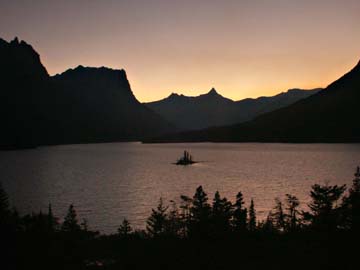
186,159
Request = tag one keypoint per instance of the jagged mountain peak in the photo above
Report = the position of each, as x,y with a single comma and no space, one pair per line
94,74
82,68
214,95
21,55
15,41
21,43
213,92
173,95
212,109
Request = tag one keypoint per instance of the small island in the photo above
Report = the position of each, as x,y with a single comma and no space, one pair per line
186,159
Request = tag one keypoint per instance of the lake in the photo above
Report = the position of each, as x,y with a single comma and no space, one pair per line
107,182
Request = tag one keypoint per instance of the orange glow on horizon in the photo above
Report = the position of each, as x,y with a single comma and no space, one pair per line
241,48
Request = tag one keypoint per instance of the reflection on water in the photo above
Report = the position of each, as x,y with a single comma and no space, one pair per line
107,182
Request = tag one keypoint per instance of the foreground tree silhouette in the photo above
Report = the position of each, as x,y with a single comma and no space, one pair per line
71,223
292,220
269,225
185,215
125,229
278,216
200,214
6,215
324,213
252,217
4,203
351,204
175,250
156,223
239,214
221,214
174,224
52,222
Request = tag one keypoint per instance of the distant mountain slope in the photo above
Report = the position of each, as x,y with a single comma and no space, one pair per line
331,115
212,109
78,106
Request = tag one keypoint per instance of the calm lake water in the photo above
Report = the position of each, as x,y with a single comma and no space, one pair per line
107,182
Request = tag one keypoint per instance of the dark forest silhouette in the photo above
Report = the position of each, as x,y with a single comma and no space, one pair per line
199,233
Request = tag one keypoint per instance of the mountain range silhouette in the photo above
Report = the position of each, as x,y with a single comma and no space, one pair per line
81,105
87,105
330,115
212,109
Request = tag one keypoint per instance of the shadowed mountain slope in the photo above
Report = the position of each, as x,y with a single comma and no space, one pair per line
23,82
330,115
101,106
212,109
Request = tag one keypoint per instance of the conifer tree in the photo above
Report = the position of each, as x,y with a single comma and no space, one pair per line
84,225
292,220
269,225
278,215
5,213
70,223
221,213
324,213
252,217
200,213
174,226
200,209
4,202
351,203
185,215
239,214
125,229
52,220
156,223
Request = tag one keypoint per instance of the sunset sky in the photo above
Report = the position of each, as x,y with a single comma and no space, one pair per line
242,48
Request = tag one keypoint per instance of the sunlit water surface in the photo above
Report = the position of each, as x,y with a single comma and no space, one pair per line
107,182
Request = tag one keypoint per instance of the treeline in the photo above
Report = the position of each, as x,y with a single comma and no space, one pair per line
331,208
197,225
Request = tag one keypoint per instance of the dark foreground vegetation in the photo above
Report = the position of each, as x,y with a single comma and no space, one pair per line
197,234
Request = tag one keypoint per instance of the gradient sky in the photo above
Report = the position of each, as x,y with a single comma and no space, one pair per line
242,48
